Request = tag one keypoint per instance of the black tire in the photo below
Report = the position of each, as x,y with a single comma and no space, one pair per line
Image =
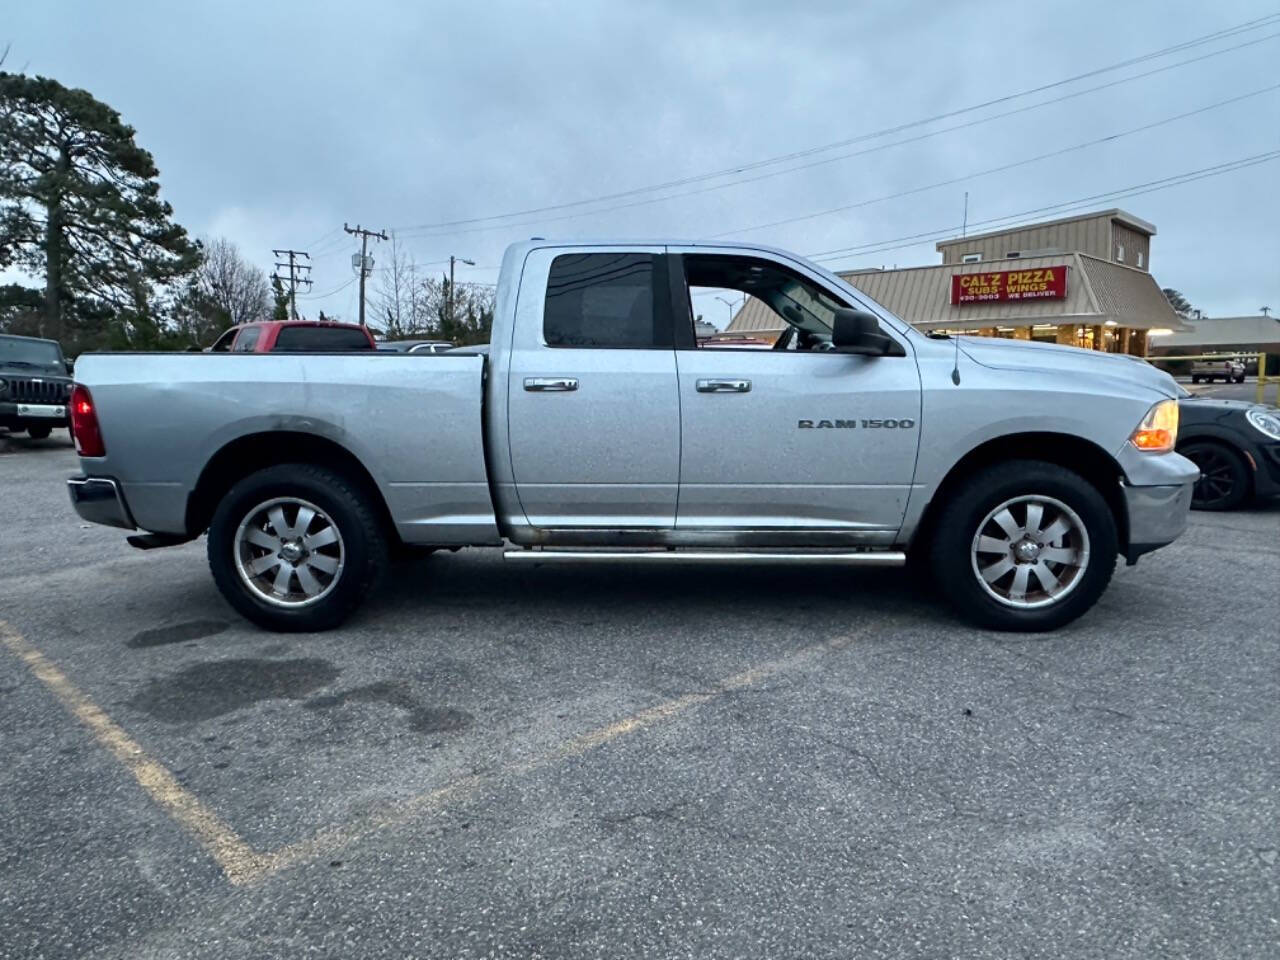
1195,379
967,506
39,432
348,506
1224,482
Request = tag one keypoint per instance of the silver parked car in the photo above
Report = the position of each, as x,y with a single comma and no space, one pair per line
595,428
415,346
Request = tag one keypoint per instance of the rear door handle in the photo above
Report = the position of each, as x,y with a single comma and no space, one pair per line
550,384
724,386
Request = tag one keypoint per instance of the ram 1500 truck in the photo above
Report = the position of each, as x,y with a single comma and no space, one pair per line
595,427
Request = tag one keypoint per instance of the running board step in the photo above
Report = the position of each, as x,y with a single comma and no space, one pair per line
857,558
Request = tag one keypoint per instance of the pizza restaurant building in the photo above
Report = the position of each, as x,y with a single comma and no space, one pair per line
1081,281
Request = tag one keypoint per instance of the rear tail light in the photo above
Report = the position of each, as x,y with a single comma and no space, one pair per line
84,424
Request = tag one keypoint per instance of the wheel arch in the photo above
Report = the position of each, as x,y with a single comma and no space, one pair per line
255,451
1066,450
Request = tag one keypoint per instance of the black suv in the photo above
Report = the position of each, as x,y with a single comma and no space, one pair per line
35,388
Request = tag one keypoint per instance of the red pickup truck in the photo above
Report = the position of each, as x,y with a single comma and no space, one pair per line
284,336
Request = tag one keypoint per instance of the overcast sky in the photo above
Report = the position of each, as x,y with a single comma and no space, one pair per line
272,123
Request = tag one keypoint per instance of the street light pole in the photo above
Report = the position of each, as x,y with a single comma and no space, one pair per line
452,259
730,305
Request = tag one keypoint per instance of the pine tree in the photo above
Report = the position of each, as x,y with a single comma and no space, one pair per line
1181,305
80,206
280,310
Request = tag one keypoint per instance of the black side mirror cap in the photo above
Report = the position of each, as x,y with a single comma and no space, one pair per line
856,331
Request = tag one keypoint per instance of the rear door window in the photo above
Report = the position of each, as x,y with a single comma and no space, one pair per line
607,300
320,340
247,340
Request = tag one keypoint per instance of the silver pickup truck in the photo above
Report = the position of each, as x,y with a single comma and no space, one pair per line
595,427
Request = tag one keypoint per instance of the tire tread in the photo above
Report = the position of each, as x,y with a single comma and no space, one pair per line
332,610
968,502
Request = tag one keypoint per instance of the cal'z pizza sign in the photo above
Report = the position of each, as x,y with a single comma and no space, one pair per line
1042,283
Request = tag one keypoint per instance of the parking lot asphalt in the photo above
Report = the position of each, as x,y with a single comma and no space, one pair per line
609,761
1247,391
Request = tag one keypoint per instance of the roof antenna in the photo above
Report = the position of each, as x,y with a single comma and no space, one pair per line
955,366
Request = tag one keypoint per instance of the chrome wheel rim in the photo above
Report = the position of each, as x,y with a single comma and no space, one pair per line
1030,551
289,552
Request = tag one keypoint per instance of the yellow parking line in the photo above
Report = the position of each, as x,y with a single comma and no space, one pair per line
242,864
238,860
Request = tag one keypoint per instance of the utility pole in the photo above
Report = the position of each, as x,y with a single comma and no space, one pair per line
469,263
297,275
364,256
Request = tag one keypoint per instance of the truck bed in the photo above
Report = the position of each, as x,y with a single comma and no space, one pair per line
413,421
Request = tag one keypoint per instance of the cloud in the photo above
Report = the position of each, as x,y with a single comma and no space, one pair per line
274,123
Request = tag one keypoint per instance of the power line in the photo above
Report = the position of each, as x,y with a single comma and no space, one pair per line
298,275
1226,33
999,169
845,156
323,237
321,296
1225,167
1008,220
1035,214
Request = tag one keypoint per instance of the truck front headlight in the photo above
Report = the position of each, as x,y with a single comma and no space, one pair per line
1158,431
1264,421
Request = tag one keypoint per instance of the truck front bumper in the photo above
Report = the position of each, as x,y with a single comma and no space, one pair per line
1157,516
100,500
14,414
1157,496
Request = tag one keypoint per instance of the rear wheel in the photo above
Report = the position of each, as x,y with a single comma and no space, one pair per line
1024,545
1224,477
39,432
1195,379
296,547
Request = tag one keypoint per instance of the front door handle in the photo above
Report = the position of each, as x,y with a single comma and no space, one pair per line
724,386
550,384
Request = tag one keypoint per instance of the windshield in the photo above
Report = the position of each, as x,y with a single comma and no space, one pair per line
816,310
44,353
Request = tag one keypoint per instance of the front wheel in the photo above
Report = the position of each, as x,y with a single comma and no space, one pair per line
296,547
1024,545
1224,478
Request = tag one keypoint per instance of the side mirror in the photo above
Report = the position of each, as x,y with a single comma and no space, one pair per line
70,365
856,331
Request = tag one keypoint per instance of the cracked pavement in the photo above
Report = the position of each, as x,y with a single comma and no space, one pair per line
827,763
